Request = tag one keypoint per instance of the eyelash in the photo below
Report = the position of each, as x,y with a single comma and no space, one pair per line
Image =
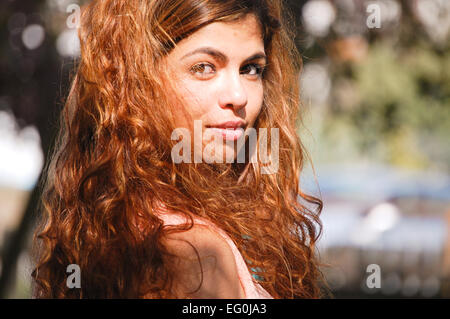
259,68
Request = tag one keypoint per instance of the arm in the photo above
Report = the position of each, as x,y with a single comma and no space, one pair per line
220,274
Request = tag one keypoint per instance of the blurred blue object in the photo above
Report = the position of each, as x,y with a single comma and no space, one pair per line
393,218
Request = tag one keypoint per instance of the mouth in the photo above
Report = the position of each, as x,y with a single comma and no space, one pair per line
231,130
232,125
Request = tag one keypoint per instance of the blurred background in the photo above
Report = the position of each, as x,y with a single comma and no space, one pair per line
376,98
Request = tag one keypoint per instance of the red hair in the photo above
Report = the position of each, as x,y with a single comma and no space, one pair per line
111,163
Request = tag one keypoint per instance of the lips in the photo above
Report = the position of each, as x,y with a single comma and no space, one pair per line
228,125
230,130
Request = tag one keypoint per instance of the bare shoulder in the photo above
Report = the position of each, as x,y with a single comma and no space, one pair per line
204,264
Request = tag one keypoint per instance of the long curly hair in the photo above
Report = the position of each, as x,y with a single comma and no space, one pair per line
111,164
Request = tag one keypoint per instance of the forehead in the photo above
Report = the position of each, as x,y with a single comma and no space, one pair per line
243,35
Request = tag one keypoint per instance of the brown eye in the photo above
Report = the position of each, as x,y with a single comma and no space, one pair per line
202,69
253,69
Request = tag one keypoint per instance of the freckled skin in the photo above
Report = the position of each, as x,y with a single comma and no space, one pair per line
216,91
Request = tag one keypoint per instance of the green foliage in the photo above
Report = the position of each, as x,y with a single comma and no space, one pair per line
402,110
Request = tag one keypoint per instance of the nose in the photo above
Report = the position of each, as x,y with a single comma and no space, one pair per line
233,93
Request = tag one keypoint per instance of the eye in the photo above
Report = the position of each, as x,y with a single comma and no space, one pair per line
253,69
202,69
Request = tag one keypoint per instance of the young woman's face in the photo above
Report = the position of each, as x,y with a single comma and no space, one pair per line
217,73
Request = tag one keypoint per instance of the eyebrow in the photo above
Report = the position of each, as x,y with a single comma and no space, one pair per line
221,56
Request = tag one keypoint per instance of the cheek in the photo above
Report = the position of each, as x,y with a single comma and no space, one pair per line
195,99
256,107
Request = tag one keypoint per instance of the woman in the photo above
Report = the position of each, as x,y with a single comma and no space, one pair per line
127,200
